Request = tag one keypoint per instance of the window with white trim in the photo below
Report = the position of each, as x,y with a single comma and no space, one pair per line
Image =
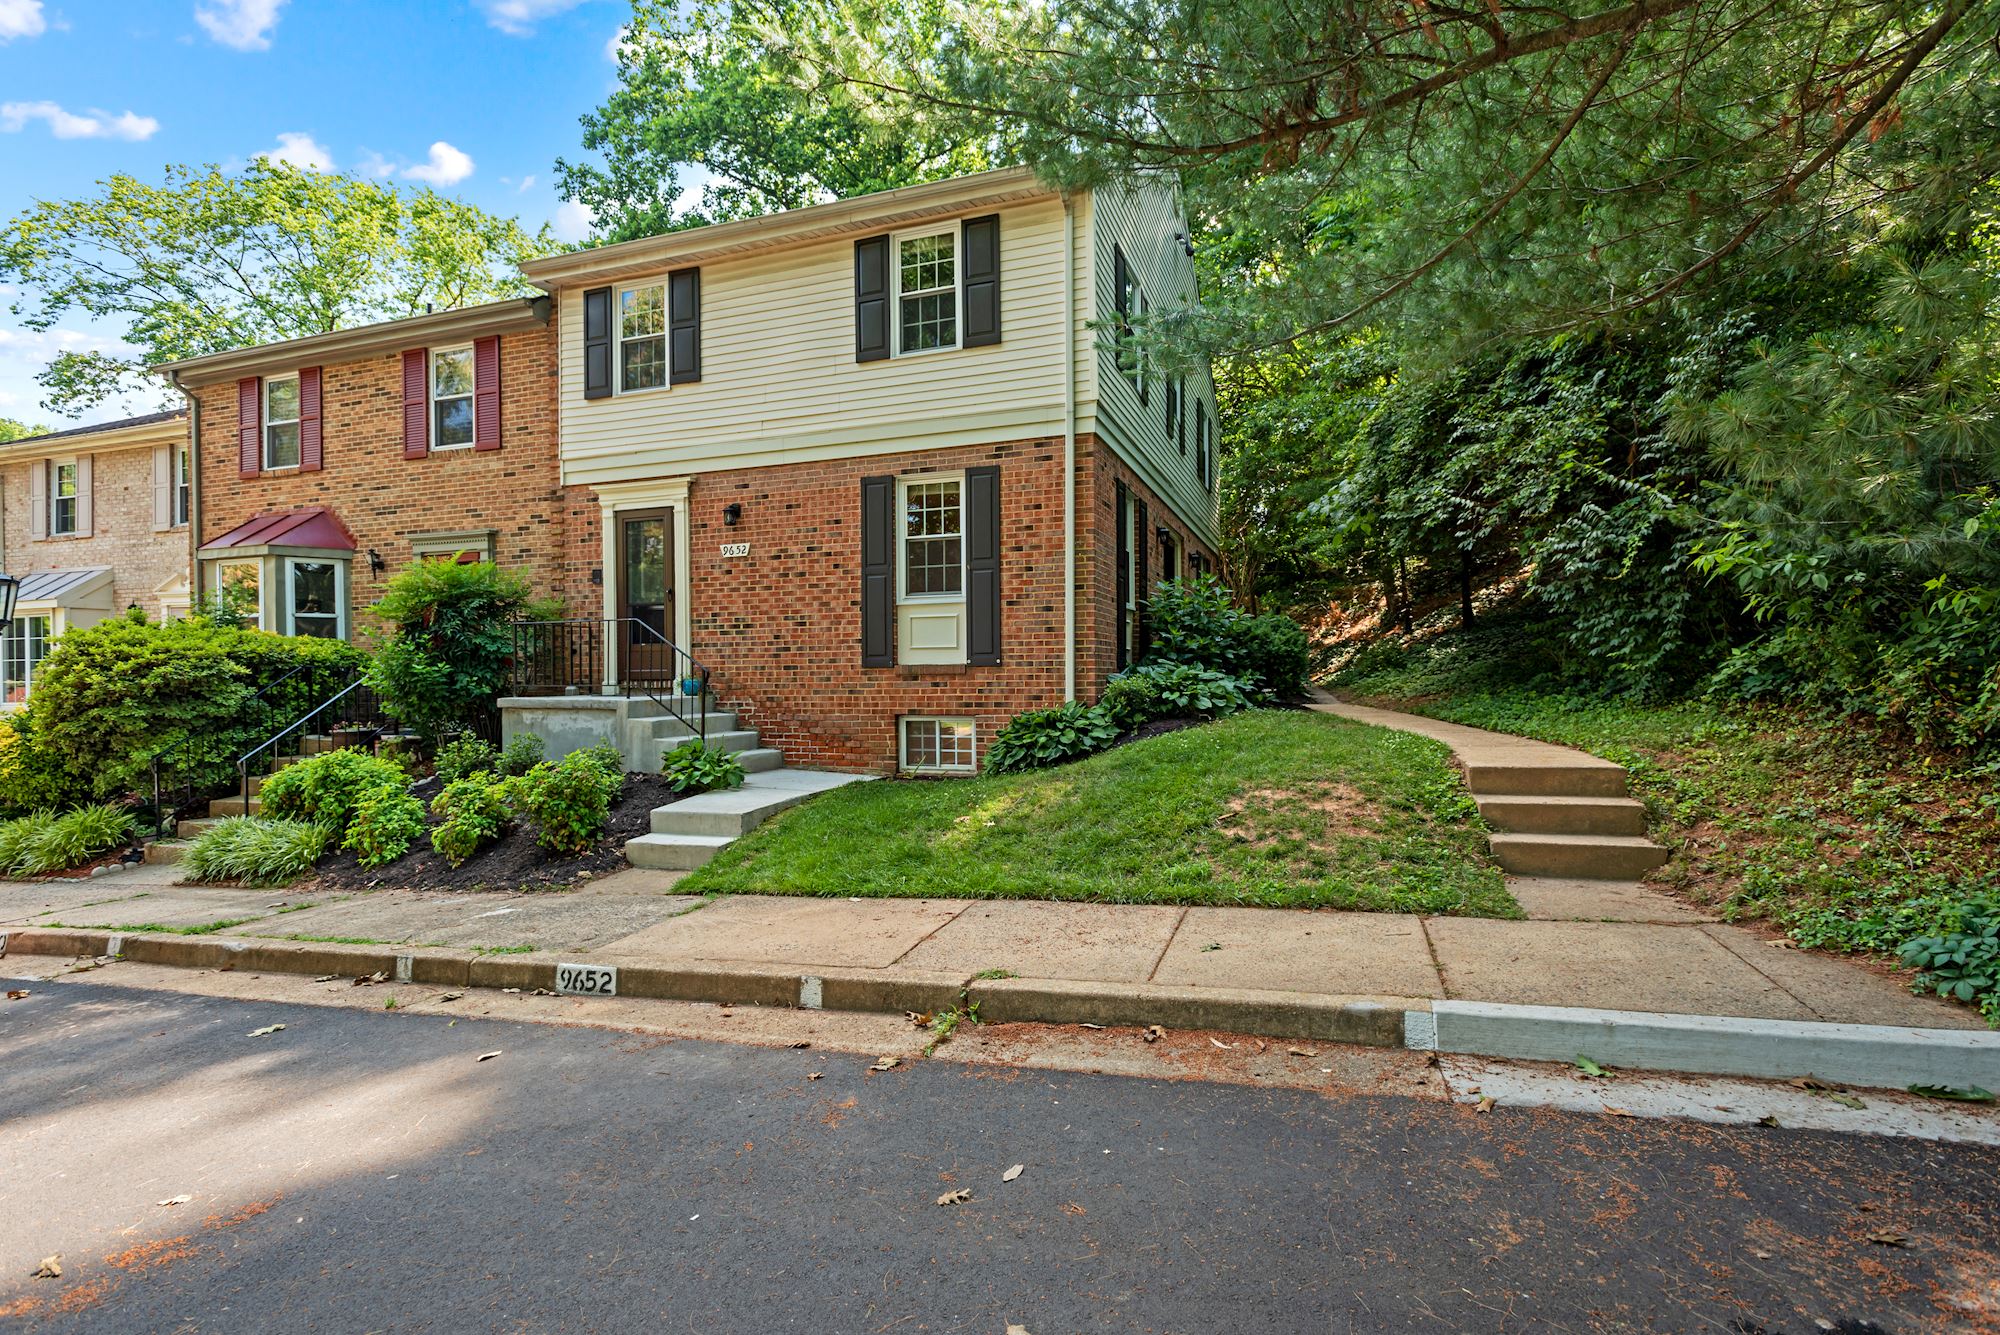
931,554
62,497
281,422
183,495
239,587
642,337
315,601
27,644
451,398
938,746
926,280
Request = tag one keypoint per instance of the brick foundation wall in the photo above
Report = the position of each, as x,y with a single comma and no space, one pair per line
1097,561
122,534
383,498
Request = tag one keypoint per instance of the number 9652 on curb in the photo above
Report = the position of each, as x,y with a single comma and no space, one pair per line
586,980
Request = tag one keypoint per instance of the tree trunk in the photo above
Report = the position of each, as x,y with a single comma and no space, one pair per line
1407,602
1465,590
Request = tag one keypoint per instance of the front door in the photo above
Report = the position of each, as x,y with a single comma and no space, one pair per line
646,596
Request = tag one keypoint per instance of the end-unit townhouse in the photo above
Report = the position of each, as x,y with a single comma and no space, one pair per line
93,522
893,468
326,464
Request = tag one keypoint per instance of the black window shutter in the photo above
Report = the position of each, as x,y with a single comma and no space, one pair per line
1124,583
1121,287
1145,585
871,299
878,571
684,325
597,343
982,565
981,325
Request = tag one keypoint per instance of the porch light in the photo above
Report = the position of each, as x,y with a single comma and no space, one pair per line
10,593
731,513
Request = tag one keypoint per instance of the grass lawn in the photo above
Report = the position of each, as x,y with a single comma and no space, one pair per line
1829,828
1273,807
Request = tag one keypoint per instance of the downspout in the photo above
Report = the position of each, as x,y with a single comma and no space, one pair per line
194,495
1069,447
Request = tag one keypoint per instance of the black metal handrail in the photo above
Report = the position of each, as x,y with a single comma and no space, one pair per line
360,704
615,654
258,705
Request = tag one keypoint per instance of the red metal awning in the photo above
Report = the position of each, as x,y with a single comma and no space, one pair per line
316,526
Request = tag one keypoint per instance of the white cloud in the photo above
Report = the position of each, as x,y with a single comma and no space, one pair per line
21,18
518,17
374,164
299,149
243,24
573,221
527,183
447,166
614,47
93,124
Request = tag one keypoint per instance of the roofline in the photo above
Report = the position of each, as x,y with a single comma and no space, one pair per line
112,436
346,345
790,227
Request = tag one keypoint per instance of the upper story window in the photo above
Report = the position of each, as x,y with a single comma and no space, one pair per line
62,497
1177,411
642,337
933,546
927,291
183,494
281,422
451,398
1204,446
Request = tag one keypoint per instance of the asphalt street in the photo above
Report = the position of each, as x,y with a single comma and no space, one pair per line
365,1171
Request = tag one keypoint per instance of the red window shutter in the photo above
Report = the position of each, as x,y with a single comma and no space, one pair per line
486,393
416,403
310,451
249,426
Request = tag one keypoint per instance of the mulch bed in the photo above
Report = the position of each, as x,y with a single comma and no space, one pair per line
512,862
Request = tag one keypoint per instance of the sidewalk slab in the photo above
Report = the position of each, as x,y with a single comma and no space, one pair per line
24,901
1099,942
1554,899
773,929
177,906
1835,989
1615,966
1293,950
495,920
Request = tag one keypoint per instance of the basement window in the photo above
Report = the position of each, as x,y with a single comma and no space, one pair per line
937,746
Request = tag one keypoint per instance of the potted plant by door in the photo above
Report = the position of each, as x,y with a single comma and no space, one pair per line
348,734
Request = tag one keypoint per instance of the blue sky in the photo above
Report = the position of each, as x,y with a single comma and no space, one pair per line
479,97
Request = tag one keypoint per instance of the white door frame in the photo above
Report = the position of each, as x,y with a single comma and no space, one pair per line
669,493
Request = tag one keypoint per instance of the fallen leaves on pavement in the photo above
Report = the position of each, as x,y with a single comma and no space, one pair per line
181,1199
16,993
1485,1103
918,1018
487,1056
50,1268
959,1197
1886,1238
886,1063
1591,1069
1013,1172
267,1029
368,979
1954,1093
1153,1033
451,996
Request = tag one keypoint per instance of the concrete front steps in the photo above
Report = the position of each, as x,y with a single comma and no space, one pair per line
688,833
1555,812
651,732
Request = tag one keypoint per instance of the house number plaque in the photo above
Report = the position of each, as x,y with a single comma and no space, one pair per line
736,549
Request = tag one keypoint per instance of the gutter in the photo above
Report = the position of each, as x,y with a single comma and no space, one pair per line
1069,447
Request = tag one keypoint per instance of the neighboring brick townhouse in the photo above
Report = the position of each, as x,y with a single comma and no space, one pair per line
93,521
329,463
886,466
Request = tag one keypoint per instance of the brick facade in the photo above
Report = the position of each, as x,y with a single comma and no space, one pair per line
384,498
122,534
781,629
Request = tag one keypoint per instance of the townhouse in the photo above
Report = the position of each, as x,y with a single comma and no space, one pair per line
93,521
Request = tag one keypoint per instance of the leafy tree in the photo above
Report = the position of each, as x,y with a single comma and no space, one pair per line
714,84
13,430
207,260
452,643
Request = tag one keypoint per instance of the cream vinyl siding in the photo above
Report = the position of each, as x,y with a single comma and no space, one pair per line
779,380
1142,221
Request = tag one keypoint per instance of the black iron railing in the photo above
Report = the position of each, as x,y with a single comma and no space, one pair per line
616,655
352,716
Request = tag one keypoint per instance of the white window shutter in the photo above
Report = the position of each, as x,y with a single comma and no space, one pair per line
83,496
38,499
163,487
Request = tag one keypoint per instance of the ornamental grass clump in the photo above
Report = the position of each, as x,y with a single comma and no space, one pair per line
254,850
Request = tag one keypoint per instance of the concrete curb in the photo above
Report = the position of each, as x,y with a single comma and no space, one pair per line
1374,1021
1875,1056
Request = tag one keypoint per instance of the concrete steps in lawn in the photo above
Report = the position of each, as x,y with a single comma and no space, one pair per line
166,852
1591,857
1518,814
688,833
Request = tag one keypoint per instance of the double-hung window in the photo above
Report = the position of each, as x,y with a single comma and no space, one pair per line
27,644
316,597
642,337
933,545
927,291
451,398
183,494
239,588
62,497
281,422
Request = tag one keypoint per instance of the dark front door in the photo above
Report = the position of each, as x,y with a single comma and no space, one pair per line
646,595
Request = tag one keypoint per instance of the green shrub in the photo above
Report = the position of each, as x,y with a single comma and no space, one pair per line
17,834
1192,621
568,803
610,762
327,788
47,842
1048,737
465,756
32,775
1964,963
387,820
694,767
452,644
473,812
1275,653
108,697
256,851
1151,691
521,755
